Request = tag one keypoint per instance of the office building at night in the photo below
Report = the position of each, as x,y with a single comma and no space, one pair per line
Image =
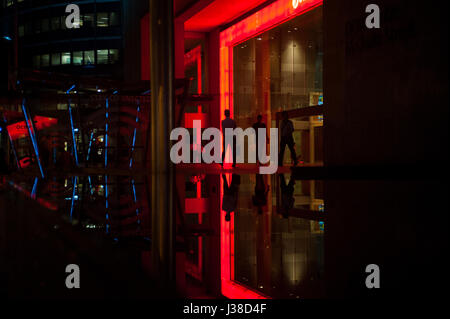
88,129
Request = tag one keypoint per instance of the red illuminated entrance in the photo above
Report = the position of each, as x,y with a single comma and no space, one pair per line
265,19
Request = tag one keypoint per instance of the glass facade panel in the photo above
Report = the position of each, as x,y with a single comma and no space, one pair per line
113,56
65,58
21,30
88,20
37,26
45,60
102,19
102,56
89,57
36,61
45,25
78,58
56,58
56,23
114,19
280,69
63,22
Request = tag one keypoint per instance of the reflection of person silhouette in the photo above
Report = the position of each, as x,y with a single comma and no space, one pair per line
259,199
287,195
287,128
230,194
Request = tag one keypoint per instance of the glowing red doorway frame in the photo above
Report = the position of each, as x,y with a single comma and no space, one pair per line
265,19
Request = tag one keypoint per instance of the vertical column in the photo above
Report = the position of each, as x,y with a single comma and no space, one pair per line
162,76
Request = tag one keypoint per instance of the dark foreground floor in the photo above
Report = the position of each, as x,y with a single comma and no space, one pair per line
36,245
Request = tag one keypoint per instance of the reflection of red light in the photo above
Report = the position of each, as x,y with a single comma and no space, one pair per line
25,162
265,19
45,203
231,288
20,130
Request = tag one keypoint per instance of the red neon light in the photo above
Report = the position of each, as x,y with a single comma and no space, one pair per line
20,130
230,288
40,201
261,21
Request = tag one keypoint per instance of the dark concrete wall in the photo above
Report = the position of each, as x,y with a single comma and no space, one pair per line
386,103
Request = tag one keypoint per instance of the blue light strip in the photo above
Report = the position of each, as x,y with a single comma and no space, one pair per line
106,133
106,203
12,146
90,144
90,185
135,199
134,134
33,192
32,137
74,188
71,88
73,135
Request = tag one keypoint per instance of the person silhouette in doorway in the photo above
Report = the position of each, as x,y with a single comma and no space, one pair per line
228,122
287,129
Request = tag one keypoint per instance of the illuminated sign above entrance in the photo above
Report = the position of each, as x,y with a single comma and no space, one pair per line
295,3
20,130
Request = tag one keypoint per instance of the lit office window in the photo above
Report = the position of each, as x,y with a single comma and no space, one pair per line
89,57
21,30
65,58
113,56
88,20
36,61
56,58
45,60
45,25
114,19
56,23
102,56
78,58
102,19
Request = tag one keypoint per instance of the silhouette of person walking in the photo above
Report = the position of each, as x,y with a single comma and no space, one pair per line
287,128
230,195
228,123
256,126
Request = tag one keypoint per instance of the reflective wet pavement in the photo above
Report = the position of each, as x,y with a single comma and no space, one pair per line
240,236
